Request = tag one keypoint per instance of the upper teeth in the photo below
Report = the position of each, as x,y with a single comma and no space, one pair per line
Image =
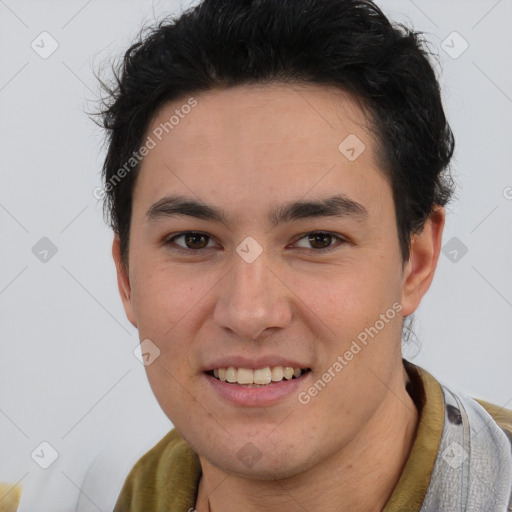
259,376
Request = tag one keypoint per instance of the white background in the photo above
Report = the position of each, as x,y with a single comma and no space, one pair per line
68,375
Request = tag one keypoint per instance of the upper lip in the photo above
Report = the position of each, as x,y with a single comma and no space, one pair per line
253,363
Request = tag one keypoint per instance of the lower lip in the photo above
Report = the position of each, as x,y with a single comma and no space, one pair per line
256,397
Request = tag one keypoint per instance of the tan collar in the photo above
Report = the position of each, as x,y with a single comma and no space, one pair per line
427,394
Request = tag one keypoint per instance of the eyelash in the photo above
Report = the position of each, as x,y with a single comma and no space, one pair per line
170,240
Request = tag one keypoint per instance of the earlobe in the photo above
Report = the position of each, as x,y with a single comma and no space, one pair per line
424,255
123,281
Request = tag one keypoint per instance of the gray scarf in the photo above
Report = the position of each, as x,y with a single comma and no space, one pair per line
473,468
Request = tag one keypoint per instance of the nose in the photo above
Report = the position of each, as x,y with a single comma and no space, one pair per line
253,299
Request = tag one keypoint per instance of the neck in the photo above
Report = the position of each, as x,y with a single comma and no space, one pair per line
373,460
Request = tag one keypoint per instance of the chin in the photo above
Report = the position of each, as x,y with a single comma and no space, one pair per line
257,458
255,451
262,469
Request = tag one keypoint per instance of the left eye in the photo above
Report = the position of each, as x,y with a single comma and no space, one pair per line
319,240
193,240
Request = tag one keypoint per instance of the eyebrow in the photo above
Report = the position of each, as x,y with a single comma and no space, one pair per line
339,206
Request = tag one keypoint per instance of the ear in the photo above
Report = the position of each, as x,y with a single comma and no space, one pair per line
419,270
123,281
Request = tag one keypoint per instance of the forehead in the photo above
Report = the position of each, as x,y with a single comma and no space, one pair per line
258,116
258,144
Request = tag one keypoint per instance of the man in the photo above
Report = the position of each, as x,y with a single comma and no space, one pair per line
276,178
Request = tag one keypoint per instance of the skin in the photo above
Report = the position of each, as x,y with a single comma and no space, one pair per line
245,150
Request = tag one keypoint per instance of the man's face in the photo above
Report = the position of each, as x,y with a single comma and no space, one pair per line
211,300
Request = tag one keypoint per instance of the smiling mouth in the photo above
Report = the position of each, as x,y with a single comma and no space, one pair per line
260,377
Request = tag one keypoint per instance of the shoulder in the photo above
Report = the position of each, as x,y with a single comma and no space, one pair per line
502,416
168,471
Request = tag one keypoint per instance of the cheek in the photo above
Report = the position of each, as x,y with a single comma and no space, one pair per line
163,296
354,310
173,388
171,305
348,295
